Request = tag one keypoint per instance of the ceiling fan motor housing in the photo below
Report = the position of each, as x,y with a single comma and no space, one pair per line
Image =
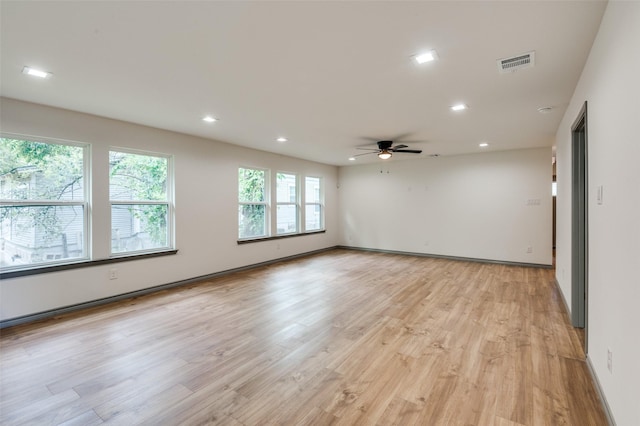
383,145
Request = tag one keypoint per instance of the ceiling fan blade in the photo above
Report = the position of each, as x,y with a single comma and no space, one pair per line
366,138
401,136
368,149
399,147
387,138
366,153
409,151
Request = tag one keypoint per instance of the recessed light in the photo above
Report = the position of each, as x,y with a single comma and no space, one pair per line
459,107
209,119
281,139
35,73
352,158
483,145
429,56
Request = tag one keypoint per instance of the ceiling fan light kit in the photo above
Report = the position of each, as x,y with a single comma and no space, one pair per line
429,56
386,149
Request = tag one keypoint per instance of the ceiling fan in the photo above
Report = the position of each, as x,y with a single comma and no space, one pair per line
386,149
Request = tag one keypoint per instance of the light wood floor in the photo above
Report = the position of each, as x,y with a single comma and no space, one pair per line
344,337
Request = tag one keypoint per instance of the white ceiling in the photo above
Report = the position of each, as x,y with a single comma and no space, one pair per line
326,75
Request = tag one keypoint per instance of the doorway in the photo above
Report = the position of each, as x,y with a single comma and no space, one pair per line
579,222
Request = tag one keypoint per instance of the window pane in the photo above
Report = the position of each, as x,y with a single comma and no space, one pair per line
41,234
287,218
252,220
40,171
137,177
251,186
312,190
136,227
286,188
313,217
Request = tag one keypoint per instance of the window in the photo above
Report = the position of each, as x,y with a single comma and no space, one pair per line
252,203
141,208
43,203
314,211
257,217
287,203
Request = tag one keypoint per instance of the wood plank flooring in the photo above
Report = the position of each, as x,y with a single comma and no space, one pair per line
343,337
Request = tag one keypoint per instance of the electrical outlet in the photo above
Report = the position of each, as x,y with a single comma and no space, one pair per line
609,360
113,274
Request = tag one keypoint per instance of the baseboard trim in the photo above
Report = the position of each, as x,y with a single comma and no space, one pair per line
603,399
564,300
99,302
440,256
592,372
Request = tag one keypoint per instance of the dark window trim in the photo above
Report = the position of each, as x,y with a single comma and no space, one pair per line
83,264
279,237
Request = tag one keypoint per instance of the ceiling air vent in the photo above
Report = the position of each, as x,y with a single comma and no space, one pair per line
516,63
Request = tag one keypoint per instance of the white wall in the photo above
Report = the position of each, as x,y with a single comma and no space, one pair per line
473,206
610,83
206,209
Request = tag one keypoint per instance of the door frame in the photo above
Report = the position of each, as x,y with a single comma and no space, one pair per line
579,223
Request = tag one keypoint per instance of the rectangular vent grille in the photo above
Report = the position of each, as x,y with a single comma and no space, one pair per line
516,63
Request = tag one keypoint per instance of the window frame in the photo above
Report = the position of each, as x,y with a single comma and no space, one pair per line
266,203
320,203
85,204
295,203
169,202
271,203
